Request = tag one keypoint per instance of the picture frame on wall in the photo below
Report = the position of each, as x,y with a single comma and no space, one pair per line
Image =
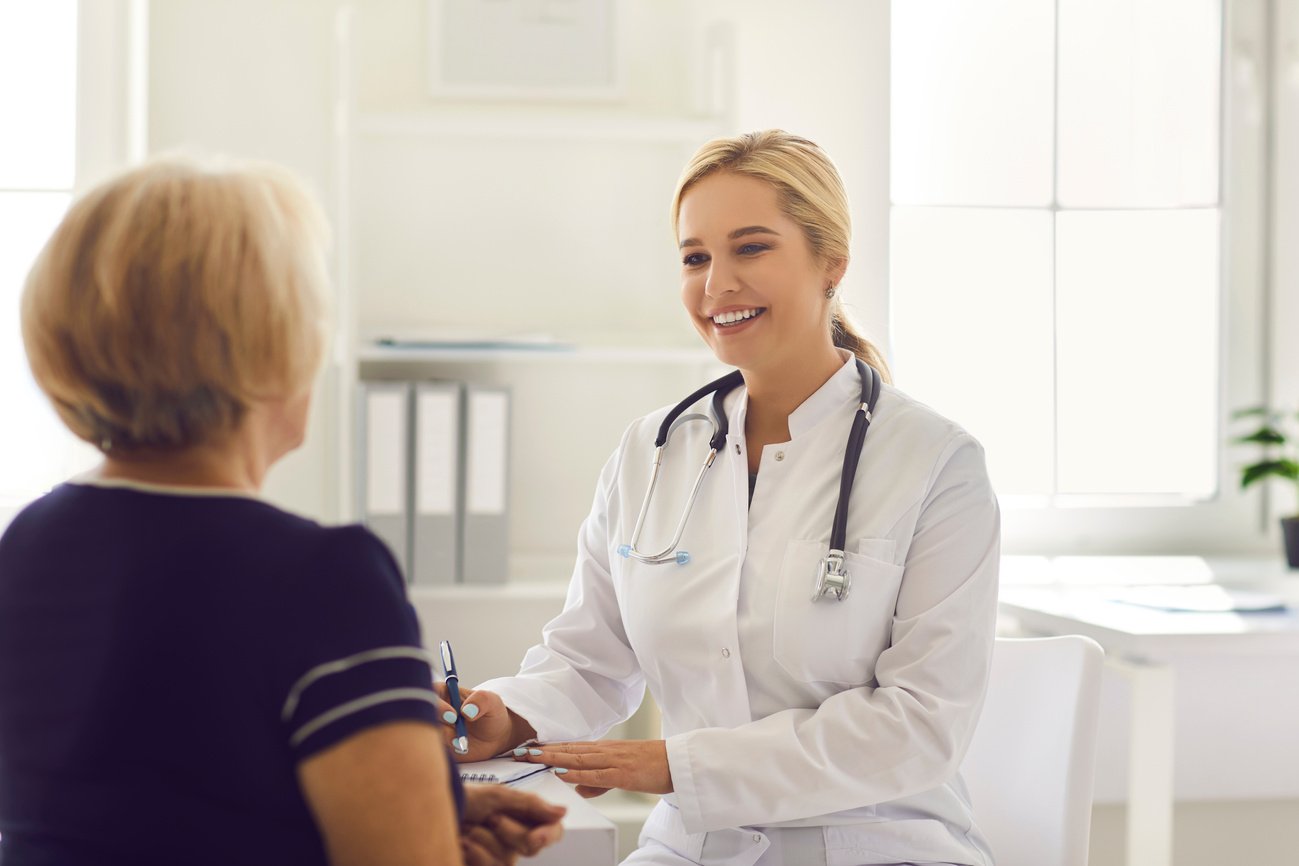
525,50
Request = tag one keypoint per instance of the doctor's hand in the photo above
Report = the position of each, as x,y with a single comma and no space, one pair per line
595,768
501,824
492,727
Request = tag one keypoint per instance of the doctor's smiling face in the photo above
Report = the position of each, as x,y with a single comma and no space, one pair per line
753,286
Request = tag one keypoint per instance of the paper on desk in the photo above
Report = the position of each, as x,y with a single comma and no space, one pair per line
1198,599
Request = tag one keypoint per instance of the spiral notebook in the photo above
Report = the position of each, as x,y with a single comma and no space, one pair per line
500,771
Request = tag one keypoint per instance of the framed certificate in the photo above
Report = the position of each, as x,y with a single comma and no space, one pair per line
524,49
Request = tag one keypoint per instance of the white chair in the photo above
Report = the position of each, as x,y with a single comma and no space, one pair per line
1030,766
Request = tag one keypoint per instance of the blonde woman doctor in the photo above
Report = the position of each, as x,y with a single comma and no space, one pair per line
794,731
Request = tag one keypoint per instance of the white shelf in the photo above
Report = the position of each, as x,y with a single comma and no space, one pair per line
560,354
537,125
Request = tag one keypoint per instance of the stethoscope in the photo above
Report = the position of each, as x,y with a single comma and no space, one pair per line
831,578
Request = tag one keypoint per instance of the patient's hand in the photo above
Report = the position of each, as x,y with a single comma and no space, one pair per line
501,824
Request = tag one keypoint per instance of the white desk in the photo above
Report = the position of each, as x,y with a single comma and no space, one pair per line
1067,595
590,839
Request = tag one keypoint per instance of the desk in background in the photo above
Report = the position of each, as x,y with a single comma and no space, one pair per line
1070,595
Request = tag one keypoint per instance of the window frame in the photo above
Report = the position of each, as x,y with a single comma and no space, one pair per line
1228,521
111,104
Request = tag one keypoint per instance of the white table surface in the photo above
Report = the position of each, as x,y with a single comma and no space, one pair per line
1069,595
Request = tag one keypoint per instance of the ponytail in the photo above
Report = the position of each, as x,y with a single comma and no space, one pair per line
847,336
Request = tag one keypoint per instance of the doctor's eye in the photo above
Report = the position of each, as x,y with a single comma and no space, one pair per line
694,259
752,249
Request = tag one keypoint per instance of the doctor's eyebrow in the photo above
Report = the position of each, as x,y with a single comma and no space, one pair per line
738,233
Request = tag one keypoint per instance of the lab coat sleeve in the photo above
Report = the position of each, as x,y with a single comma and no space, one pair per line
903,736
583,678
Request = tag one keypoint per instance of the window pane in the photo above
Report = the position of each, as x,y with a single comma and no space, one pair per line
972,315
972,94
1137,338
38,80
1139,102
36,450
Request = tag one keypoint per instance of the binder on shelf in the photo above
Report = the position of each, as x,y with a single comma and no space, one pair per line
484,538
436,480
383,464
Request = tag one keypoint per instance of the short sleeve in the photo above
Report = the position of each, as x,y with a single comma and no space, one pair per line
349,653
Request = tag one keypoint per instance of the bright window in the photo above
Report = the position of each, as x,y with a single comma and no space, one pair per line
1055,249
38,69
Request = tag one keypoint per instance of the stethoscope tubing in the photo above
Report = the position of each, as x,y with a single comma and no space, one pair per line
831,578
861,422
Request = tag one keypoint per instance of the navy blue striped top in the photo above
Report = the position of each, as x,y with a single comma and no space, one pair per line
167,660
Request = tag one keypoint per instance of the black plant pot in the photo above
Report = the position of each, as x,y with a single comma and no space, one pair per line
1290,529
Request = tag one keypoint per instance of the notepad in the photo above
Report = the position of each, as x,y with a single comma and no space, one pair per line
500,771
1205,598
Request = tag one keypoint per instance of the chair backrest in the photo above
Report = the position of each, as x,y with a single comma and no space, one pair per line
1030,766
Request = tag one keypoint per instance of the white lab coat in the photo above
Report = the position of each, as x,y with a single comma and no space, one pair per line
853,715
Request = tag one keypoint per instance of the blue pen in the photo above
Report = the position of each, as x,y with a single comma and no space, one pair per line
461,741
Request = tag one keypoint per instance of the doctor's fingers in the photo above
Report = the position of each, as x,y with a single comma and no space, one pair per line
594,755
587,792
474,705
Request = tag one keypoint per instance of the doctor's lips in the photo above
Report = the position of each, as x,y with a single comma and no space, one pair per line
734,316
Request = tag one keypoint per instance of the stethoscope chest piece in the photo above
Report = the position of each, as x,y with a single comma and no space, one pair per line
831,578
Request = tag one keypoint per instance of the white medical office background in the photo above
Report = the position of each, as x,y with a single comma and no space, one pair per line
1070,224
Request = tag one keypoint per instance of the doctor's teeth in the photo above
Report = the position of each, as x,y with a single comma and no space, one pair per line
735,316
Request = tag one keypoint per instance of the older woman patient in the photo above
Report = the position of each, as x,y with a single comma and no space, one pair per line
188,674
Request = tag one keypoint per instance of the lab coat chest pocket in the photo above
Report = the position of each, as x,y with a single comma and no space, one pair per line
834,641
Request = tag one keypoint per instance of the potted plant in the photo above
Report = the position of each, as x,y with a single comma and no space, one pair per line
1277,461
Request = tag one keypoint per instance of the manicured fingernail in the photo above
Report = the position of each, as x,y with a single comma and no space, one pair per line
449,717
520,752
470,711
561,770
534,751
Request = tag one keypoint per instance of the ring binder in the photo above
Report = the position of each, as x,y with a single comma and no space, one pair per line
485,539
383,464
436,480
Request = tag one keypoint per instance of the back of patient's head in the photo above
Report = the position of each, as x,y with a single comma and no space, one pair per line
172,297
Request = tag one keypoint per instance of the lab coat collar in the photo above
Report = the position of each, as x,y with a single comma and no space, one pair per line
843,387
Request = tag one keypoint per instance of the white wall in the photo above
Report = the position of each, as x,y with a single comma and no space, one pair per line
252,79
566,237
1284,314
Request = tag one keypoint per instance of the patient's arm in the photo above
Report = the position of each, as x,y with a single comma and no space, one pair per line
382,797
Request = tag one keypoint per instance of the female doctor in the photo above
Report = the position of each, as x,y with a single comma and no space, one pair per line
796,730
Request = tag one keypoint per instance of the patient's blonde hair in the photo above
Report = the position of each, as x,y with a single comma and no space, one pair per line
811,194
174,295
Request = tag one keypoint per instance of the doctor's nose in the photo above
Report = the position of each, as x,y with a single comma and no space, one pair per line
720,282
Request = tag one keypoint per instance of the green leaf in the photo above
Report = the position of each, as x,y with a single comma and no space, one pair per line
1287,469
1252,411
1263,436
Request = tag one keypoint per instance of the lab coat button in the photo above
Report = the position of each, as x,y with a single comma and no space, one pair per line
737,447
757,837
780,455
726,653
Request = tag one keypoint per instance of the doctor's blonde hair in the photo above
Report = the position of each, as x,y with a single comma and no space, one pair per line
811,194
171,297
